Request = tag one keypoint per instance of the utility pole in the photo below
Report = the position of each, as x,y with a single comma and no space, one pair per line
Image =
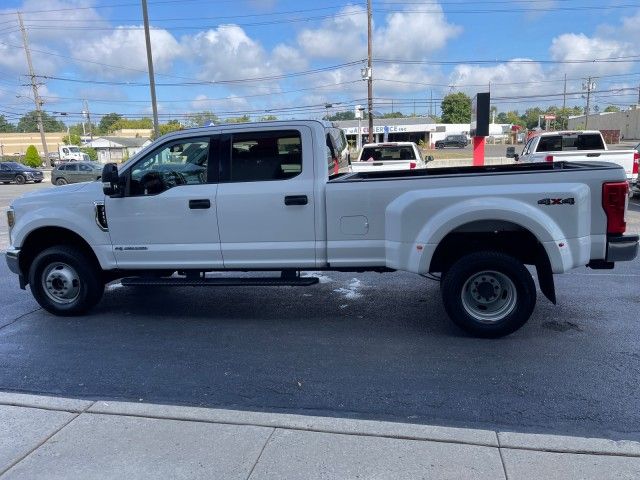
589,86
369,71
431,105
34,87
152,82
564,104
85,111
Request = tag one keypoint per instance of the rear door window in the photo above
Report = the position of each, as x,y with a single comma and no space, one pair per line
265,156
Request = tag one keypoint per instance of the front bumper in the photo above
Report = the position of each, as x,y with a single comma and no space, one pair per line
13,260
623,248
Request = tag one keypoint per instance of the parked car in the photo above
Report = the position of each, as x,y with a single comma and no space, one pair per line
389,156
459,141
578,146
74,172
19,173
270,202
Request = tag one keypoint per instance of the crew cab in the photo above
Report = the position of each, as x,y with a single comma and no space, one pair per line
389,156
579,146
265,197
458,141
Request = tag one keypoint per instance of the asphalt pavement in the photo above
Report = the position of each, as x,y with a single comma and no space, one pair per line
369,346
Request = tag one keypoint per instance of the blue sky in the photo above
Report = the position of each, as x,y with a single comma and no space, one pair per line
290,58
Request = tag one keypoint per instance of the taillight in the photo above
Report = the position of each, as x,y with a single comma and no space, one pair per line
412,165
548,158
336,166
636,162
614,202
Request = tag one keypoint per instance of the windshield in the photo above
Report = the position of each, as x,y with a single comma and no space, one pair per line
15,166
74,149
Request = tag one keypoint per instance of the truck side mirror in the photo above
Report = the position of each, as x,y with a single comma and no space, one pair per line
516,157
110,180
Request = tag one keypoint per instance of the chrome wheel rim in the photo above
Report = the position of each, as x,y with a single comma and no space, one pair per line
489,296
61,283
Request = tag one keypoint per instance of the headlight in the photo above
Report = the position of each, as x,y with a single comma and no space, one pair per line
11,218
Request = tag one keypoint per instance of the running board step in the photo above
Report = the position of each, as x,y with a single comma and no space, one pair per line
220,282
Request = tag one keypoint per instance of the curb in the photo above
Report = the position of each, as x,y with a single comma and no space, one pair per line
372,428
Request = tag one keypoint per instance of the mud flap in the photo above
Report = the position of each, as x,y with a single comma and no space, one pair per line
545,278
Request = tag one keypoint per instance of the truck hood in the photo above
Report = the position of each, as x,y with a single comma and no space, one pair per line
73,193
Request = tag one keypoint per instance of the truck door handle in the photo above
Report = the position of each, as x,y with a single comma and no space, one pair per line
200,204
296,200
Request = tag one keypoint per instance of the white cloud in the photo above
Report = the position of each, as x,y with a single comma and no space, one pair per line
227,53
572,46
288,58
412,35
125,47
506,79
344,36
231,103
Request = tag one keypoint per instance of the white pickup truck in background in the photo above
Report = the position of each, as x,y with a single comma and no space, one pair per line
266,197
579,146
389,156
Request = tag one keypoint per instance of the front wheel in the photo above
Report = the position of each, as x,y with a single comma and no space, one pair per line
20,179
488,294
61,181
65,281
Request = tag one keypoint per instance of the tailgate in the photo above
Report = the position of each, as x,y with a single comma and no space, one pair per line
383,165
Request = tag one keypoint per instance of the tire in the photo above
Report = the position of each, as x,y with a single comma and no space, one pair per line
510,288
65,281
61,181
20,179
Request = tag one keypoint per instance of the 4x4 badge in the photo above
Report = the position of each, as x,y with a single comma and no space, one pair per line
557,201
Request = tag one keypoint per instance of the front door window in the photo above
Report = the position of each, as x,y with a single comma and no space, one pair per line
183,162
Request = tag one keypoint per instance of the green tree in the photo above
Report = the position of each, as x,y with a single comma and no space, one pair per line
242,119
268,118
93,154
141,123
611,108
393,115
29,123
71,139
456,108
170,126
32,157
338,116
5,126
200,119
531,116
106,123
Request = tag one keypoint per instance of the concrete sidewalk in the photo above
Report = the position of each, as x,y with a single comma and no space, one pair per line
51,438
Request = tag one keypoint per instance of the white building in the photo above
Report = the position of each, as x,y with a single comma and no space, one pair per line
117,149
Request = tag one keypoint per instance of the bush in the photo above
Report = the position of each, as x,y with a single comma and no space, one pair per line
93,154
32,157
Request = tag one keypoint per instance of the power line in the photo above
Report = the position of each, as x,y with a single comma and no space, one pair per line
208,82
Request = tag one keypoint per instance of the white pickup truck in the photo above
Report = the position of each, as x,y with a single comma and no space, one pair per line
389,156
580,146
264,197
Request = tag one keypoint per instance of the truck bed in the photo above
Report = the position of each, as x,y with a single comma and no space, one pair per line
523,168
